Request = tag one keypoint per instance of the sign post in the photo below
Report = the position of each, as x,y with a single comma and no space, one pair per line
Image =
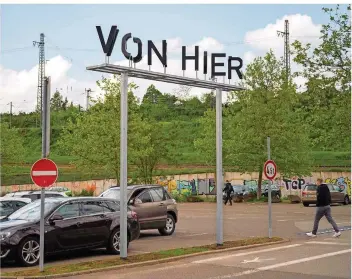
219,173
270,173
44,172
123,165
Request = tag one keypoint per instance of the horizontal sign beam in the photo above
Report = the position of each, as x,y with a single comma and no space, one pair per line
144,74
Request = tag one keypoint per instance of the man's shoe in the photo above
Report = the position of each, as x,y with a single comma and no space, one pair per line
336,234
311,234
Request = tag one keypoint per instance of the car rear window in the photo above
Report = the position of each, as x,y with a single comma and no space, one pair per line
311,188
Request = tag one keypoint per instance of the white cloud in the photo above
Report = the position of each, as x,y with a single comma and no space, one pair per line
20,87
301,27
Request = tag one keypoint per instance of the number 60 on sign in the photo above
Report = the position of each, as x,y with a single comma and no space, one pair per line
270,169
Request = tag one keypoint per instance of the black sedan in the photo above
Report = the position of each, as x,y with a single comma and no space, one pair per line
70,224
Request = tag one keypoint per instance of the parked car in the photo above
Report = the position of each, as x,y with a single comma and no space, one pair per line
35,195
9,205
58,189
70,224
309,194
156,209
275,191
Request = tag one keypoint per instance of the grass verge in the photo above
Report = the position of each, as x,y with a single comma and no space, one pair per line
98,264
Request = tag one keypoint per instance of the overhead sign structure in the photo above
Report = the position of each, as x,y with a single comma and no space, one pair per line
233,64
270,169
44,172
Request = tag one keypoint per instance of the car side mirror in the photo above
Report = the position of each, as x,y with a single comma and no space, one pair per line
55,217
131,202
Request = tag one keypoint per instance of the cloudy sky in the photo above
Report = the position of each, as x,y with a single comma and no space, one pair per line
72,43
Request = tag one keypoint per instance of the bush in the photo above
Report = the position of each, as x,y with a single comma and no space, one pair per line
88,192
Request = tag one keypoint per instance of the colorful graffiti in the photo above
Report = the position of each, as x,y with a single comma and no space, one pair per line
199,184
343,182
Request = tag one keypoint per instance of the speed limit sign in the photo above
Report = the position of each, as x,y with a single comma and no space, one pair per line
270,169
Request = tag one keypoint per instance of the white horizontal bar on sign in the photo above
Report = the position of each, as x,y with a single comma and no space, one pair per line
43,173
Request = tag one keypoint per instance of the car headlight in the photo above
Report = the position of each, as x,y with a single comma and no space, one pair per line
4,235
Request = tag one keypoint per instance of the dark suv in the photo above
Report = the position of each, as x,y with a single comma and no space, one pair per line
70,224
154,206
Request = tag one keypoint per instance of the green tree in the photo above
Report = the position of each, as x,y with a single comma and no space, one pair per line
94,137
12,150
264,109
56,101
325,104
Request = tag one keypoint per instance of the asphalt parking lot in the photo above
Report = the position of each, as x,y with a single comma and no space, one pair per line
197,221
321,258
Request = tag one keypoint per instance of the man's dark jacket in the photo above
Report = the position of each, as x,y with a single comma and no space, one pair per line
323,195
228,188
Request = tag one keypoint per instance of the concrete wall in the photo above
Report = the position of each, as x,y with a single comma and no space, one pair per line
205,182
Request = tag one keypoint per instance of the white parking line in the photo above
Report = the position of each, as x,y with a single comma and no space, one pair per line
328,243
247,253
274,266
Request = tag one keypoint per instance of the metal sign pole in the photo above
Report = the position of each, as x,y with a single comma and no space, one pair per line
219,173
269,193
123,164
45,153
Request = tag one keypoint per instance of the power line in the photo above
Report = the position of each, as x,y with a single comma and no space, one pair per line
286,35
41,72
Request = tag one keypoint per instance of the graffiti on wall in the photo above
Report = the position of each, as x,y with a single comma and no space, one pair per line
199,186
344,183
193,186
294,183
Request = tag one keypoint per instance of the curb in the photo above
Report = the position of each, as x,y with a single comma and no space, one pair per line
140,264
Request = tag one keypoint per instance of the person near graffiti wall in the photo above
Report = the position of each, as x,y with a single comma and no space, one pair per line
228,190
323,209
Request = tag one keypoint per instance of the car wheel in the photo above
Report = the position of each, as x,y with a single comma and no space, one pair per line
346,201
114,242
28,251
169,227
305,204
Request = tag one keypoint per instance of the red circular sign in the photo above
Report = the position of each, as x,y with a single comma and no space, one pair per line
270,169
44,173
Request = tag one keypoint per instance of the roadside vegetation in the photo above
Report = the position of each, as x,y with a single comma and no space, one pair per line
160,255
174,133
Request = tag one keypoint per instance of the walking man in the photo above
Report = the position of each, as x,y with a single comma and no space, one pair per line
323,209
228,190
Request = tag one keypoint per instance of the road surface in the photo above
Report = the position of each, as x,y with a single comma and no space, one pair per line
319,258
196,226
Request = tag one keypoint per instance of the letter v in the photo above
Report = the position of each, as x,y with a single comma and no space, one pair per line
109,46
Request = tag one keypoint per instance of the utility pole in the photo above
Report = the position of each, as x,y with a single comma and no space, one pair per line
10,121
88,91
286,36
41,74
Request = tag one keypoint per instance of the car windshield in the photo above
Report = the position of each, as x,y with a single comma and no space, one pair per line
311,187
238,188
5,208
113,193
31,211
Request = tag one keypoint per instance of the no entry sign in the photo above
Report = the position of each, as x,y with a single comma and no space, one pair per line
270,169
44,173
